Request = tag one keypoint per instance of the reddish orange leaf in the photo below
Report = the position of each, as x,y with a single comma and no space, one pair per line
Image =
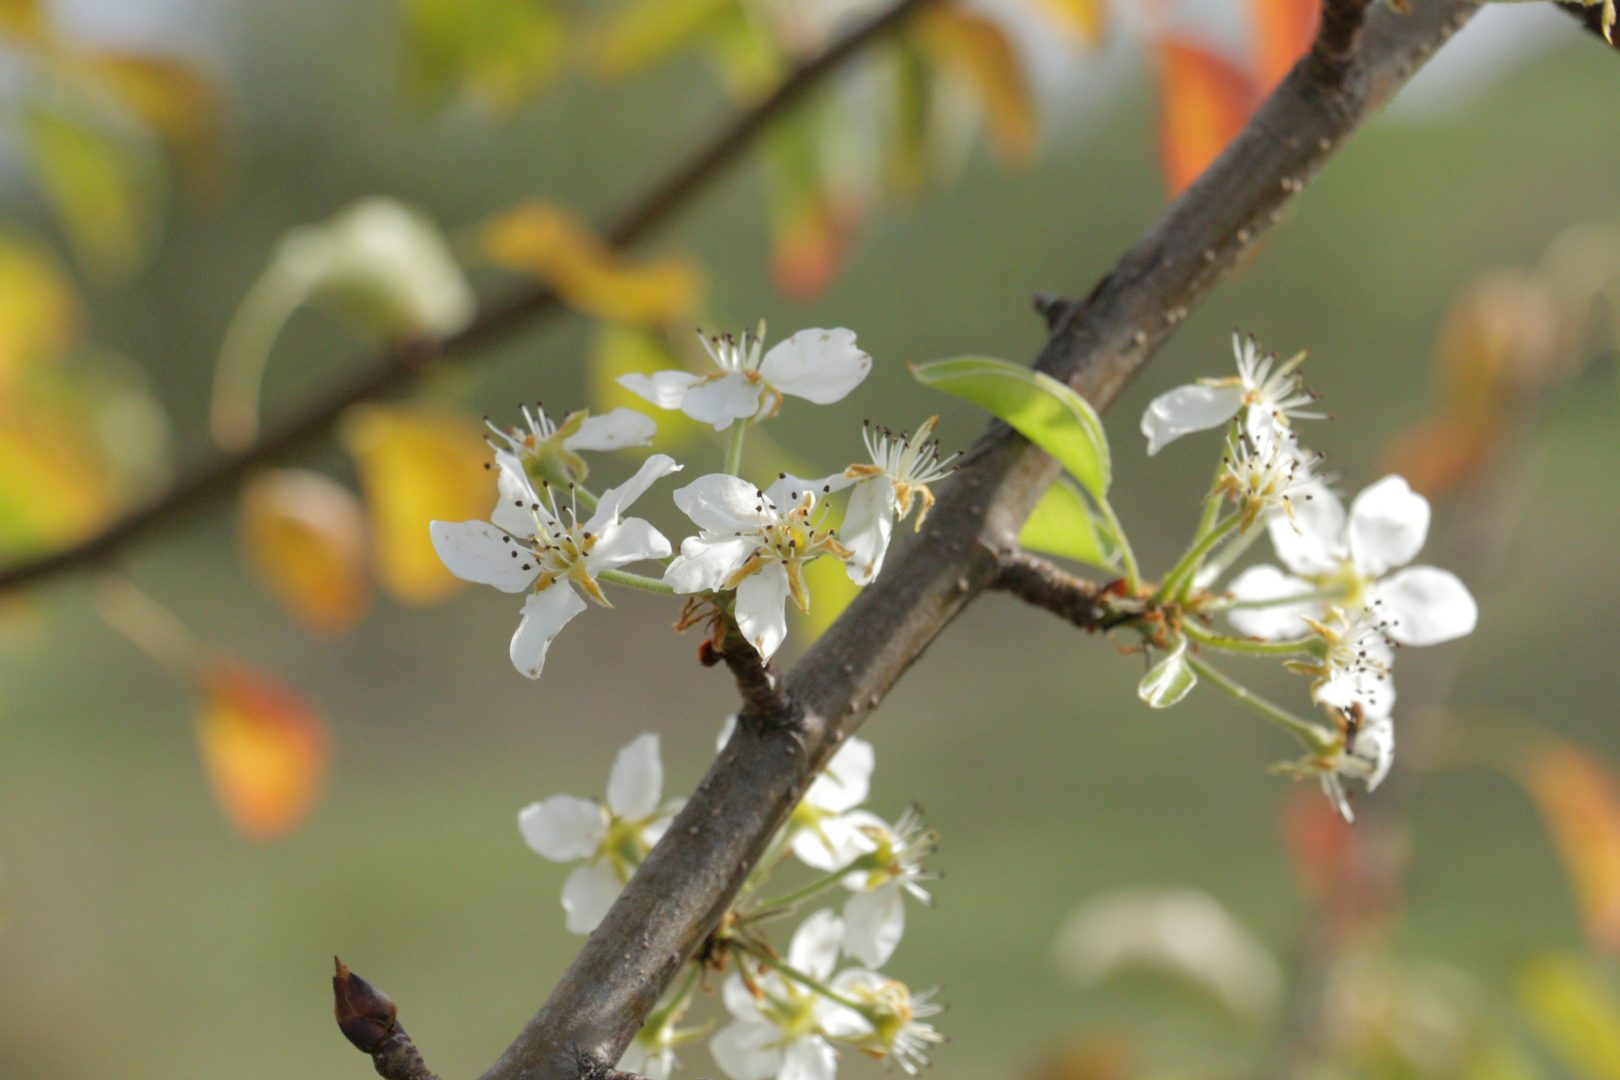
1440,454
810,249
1579,797
1204,101
979,51
264,749
1317,840
1283,30
305,535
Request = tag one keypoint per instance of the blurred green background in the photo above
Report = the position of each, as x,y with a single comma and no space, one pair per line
140,937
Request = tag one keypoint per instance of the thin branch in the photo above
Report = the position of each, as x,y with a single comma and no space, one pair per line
1038,582
368,1019
397,367
686,883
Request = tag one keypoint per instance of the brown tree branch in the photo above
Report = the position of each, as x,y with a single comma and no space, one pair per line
396,368
683,888
1038,582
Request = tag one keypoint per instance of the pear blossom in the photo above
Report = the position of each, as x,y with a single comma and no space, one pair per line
533,540
1354,561
551,451
886,865
1354,673
1270,395
612,836
1264,471
900,1037
898,476
1368,753
747,383
784,1030
756,542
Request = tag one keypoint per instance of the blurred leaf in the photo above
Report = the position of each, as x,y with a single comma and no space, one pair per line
1575,1014
645,32
548,242
979,51
1037,406
1502,1060
908,135
416,466
53,486
1283,32
1318,841
1063,523
1082,19
100,189
1090,1057
633,350
1440,454
811,223
172,98
264,749
833,592
1168,681
498,53
1579,798
1204,101
23,20
305,535
40,314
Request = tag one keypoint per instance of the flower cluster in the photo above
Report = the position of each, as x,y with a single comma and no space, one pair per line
550,538
1348,598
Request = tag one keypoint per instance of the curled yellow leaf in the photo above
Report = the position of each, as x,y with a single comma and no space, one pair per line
264,749
305,536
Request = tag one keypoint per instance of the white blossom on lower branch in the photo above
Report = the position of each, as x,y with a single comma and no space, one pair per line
901,468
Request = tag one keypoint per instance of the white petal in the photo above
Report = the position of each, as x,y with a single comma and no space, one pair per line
637,781
844,784
629,541
1388,524
545,613
1312,541
837,1020
615,501
516,496
705,562
1376,743
1186,409
563,828
816,943
721,503
875,921
810,1058
738,1001
665,389
832,843
868,525
587,895
787,489
477,551
615,430
1426,606
747,1050
1265,582
760,610
723,400
821,366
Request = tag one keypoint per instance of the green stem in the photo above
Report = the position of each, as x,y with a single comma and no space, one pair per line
635,581
1312,735
1127,557
820,885
1222,560
1186,567
809,983
676,1001
734,447
1249,646
1276,601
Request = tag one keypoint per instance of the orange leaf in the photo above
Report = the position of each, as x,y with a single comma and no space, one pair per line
1204,101
416,466
1579,797
1283,31
548,242
305,535
809,249
979,51
1441,454
264,749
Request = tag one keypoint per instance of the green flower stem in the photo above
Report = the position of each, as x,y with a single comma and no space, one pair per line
774,852
1221,560
734,447
1187,567
1275,601
1312,735
1127,557
1310,646
815,985
673,1004
635,581
816,887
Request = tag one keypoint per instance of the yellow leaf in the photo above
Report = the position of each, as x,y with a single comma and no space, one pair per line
305,535
632,350
498,53
1082,19
551,244
1577,1015
172,98
264,749
23,20
417,466
40,314
100,189
979,51
54,488
1580,800
644,32
1204,101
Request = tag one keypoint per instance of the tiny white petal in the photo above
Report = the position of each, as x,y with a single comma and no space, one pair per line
721,503
616,500
563,828
722,401
637,781
705,562
820,366
748,1050
631,540
875,921
477,551
587,895
665,389
614,430
811,1058
1194,407
760,609
545,613
868,526
1266,582
515,496
1426,606
1388,524
847,779
816,944
739,1002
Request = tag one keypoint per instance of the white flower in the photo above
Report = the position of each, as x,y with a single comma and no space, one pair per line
612,836
531,540
551,451
824,834
1349,561
898,476
784,1031
755,542
1368,753
1264,471
1354,674
900,1035
890,867
1271,397
820,366
652,1062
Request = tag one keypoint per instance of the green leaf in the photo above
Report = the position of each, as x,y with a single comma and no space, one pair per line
1037,406
648,32
1063,523
100,188
1575,1014
1170,680
498,53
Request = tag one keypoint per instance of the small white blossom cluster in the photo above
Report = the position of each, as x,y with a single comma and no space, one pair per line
1346,595
789,1016
550,538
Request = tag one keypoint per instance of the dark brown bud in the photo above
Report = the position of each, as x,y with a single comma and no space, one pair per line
364,1013
708,655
